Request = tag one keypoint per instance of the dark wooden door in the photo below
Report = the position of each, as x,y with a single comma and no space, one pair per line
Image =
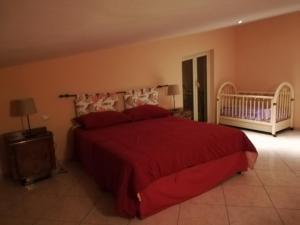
187,86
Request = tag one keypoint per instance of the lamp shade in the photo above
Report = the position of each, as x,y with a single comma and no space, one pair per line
173,89
22,107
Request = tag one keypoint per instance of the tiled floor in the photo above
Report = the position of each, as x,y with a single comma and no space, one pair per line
268,195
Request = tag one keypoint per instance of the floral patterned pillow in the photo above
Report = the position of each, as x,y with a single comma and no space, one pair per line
86,103
145,96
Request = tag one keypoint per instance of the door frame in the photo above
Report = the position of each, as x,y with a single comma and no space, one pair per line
209,83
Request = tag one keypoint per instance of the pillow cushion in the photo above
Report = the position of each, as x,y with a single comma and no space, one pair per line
102,119
86,103
146,112
134,98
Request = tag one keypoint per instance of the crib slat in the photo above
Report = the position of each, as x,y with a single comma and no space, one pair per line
278,109
258,109
254,109
246,108
225,103
243,106
268,110
286,104
262,109
232,106
281,105
240,107
250,109
221,103
228,113
235,106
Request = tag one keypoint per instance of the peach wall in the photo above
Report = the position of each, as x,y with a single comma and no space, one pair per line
267,53
132,66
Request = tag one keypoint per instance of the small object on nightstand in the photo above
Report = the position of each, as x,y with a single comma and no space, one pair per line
32,157
181,113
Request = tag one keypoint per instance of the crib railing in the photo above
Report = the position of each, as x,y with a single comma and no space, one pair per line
251,107
284,104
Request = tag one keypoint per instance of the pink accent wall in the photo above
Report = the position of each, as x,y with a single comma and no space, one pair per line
268,53
133,66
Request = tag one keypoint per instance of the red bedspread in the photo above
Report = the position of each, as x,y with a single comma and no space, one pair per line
126,158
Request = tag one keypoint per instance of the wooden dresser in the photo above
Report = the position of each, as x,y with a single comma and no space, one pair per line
31,157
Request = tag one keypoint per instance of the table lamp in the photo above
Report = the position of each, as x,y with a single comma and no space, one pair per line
173,90
23,107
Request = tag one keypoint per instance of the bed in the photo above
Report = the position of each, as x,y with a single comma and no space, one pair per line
261,111
150,160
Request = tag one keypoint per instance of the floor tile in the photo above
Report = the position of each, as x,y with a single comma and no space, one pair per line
253,216
54,222
104,213
35,206
278,178
290,217
271,165
285,197
57,185
16,221
168,216
297,173
246,196
71,209
246,178
294,165
11,195
202,214
212,197
85,187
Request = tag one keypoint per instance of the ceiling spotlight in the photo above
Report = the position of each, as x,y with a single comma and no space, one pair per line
240,21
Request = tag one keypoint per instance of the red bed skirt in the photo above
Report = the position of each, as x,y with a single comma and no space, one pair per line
188,183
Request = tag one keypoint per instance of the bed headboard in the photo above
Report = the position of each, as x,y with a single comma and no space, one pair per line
92,102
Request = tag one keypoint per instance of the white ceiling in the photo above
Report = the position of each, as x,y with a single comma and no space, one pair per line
37,29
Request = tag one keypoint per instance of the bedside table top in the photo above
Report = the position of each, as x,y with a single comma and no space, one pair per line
181,113
20,136
176,110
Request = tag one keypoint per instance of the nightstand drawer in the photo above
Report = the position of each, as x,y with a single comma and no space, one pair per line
31,158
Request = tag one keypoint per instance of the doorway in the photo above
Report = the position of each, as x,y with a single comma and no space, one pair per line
196,81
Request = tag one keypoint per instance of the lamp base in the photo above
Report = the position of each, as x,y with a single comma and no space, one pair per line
29,133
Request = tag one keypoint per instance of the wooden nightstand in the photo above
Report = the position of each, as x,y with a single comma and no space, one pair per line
181,113
30,157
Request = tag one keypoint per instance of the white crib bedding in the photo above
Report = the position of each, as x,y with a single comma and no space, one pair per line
253,114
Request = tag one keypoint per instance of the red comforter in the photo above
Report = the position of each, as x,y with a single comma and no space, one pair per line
126,158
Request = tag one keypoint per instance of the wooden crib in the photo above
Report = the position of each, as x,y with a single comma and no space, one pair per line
261,111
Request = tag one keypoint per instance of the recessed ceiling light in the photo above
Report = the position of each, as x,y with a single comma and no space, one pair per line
240,21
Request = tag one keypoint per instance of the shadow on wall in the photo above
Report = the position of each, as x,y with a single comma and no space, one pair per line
70,153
